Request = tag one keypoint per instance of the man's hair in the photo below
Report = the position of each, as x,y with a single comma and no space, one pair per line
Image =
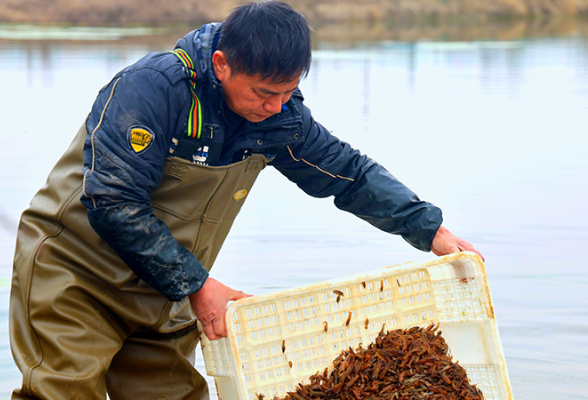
268,39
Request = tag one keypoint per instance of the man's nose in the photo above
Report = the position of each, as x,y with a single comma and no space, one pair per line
274,103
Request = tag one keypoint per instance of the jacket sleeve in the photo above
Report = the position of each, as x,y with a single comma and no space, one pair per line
120,173
325,166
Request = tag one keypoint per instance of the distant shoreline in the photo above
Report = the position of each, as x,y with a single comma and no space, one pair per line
329,34
194,12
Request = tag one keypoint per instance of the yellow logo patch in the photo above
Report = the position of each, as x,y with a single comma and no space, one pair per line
140,139
240,194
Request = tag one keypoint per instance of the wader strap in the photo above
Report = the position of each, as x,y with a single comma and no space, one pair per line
195,115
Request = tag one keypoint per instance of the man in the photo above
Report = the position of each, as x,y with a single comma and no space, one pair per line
113,255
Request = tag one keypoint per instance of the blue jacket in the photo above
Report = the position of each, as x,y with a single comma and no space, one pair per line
156,94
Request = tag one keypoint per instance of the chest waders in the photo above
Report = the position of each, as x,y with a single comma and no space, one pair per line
81,322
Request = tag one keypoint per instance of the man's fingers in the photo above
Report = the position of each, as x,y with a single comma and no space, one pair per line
209,332
445,242
215,329
465,246
219,327
210,304
238,295
478,253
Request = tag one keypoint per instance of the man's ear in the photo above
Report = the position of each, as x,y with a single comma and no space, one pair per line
220,65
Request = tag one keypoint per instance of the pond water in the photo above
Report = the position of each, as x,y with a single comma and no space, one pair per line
492,131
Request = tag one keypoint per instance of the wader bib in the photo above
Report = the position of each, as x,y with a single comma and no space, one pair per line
81,322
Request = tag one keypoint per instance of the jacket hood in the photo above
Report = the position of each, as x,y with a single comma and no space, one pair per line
200,44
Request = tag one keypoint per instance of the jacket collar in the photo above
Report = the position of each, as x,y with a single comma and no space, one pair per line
200,46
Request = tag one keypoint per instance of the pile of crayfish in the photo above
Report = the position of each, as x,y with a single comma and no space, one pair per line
403,364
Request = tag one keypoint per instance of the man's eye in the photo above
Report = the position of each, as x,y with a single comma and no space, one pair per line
260,94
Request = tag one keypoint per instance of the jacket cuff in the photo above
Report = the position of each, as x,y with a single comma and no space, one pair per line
428,223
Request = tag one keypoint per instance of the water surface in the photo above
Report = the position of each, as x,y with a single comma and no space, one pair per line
492,131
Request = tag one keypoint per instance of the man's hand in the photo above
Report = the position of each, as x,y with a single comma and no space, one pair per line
446,242
210,306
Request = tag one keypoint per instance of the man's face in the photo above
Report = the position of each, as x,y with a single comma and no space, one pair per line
249,96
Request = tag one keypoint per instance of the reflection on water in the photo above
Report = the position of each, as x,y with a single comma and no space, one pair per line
493,131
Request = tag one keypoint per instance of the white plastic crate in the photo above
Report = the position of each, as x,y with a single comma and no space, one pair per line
451,290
